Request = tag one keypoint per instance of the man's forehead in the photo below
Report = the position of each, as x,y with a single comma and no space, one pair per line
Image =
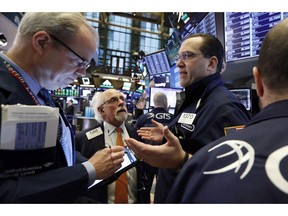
111,93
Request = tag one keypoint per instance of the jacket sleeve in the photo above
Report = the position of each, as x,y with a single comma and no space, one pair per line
63,185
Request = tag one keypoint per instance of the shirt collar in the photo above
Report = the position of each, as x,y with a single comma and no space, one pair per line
32,83
110,128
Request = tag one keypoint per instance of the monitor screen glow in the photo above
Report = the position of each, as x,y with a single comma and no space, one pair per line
245,97
157,62
169,92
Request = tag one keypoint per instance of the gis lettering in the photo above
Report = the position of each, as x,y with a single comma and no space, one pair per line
163,116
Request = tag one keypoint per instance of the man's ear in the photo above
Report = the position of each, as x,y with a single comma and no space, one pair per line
213,63
100,109
258,81
40,39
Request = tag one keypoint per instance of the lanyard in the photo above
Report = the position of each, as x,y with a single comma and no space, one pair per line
18,76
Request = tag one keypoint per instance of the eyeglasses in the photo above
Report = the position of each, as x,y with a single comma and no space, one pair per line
84,64
115,100
185,55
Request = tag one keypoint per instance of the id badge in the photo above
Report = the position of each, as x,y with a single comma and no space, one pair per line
94,133
187,118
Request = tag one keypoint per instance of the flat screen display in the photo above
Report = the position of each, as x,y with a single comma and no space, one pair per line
245,97
157,62
126,86
172,46
169,92
200,23
244,32
161,80
203,23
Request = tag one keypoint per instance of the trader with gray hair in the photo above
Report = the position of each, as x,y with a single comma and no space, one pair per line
110,113
50,51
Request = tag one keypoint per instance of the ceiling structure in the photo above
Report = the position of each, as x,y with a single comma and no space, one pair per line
239,74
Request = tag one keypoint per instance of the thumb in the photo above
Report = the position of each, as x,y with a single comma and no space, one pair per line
155,123
169,136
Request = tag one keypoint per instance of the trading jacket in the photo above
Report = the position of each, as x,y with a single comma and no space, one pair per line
208,108
247,166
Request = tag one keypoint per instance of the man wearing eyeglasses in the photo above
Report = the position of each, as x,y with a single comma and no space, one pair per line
38,60
111,113
207,109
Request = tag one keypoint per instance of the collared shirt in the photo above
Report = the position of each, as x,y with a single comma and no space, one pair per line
35,88
110,135
32,83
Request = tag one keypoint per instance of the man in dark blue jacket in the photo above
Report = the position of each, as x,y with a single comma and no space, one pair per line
207,109
250,165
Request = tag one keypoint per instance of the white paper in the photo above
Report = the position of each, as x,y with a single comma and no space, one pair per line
25,127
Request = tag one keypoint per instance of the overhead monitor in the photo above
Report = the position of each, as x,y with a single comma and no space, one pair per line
194,23
201,23
169,92
161,80
172,46
157,62
244,32
126,86
86,81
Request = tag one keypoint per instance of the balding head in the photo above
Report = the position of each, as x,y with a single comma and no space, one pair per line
160,100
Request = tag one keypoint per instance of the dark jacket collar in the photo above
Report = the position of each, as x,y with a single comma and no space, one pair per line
277,109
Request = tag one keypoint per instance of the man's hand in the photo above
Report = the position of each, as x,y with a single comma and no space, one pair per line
168,155
107,161
154,134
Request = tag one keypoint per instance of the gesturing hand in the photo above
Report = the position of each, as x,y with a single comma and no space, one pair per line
107,161
154,134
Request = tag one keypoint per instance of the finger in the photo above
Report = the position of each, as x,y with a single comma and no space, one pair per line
117,148
132,143
155,122
118,162
143,130
117,155
169,136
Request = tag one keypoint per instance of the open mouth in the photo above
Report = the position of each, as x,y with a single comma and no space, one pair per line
121,110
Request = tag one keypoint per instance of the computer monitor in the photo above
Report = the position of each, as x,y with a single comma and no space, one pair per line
126,86
169,92
157,62
172,46
245,31
86,81
245,97
201,23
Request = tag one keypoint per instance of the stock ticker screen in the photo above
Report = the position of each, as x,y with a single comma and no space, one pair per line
244,32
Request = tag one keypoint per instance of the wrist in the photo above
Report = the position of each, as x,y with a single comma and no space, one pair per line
184,160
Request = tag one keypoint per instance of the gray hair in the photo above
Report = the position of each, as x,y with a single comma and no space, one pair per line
63,25
97,102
